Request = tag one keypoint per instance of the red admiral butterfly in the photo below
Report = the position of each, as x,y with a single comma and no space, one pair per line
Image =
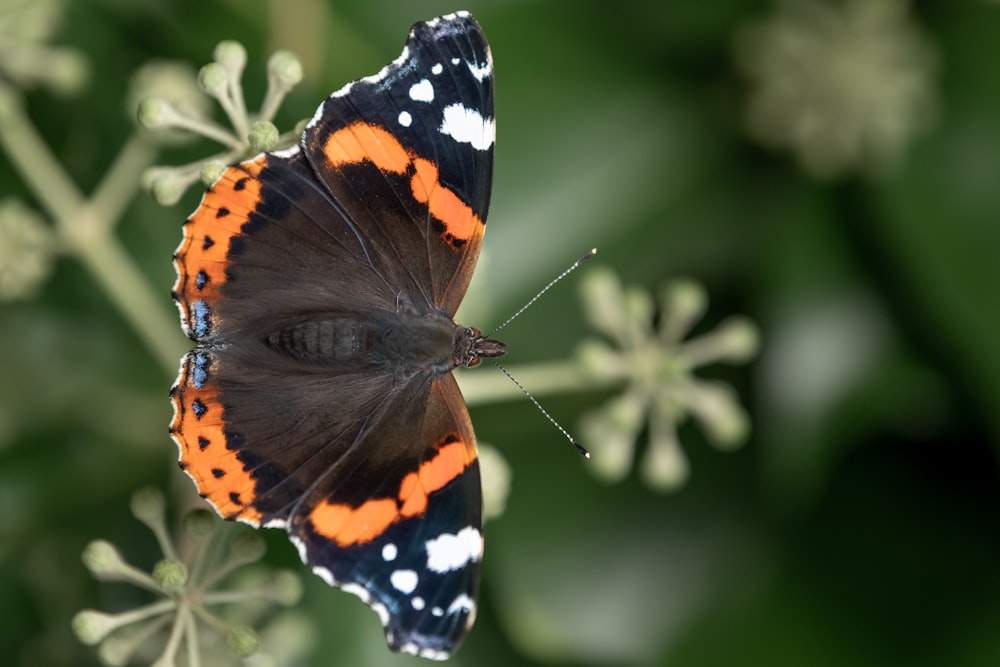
319,285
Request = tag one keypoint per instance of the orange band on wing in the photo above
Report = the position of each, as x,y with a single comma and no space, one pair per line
354,525
433,475
348,525
360,142
363,142
224,208
442,203
198,428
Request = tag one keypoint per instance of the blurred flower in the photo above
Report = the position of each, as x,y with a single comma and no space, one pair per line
27,250
496,475
658,365
172,102
26,58
167,84
843,85
187,588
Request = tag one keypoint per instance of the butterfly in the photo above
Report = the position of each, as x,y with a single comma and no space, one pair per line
319,285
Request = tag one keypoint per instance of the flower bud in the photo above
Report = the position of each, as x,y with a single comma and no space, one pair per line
170,575
243,641
263,136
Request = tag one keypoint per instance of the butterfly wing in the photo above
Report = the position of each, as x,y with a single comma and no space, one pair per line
416,141
264,250
412,550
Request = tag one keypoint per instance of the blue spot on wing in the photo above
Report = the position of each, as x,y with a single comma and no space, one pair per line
199,377
202,318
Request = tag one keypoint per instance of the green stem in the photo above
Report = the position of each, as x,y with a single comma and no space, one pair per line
210,619
119,184
86,228
551,377
181,621
193,649
147,611
229,597
37,165
135,298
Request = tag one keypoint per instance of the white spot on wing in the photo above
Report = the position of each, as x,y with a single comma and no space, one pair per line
383,613
467,126
417,603
429,653
480,72
462,602
404,581
405,118
422,91
325,575
389,552
437,69
286,153
299,545
360,591
450,551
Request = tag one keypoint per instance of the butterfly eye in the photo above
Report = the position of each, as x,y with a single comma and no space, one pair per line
475,361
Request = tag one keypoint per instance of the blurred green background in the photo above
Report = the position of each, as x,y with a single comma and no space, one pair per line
830,170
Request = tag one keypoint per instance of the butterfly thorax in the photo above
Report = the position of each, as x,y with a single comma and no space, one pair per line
396,342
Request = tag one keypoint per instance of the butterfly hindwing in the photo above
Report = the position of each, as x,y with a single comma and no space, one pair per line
411,551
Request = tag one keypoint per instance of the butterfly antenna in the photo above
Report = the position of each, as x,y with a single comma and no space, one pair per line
593,251
580,448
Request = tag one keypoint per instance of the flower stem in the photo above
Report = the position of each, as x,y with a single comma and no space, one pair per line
552,377
86,227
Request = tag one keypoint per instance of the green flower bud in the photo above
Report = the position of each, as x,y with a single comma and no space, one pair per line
715,406
200,524
170,575
496,475
90,626
211,171
665,467
103,560
148,505
155,113
213,79
598,360
247,547
243,641
610,433
682,302
603,298
167,190
285,588
284,69
263,136
231,55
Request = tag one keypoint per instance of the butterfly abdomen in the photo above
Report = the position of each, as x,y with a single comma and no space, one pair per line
322,340
394,342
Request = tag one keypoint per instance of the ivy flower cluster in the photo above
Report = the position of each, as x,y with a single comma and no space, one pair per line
186,582
657,364
248,134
